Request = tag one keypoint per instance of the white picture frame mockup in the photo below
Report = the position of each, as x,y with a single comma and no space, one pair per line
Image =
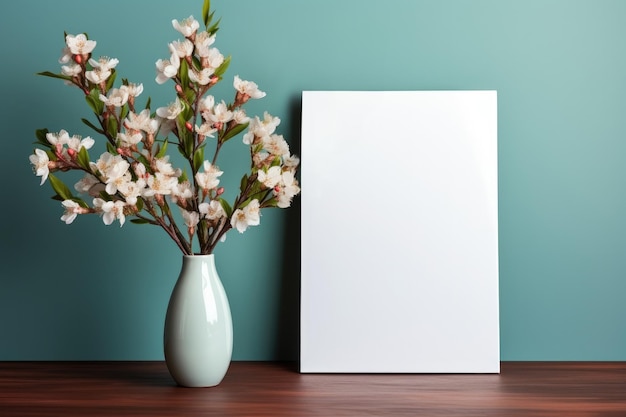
399,232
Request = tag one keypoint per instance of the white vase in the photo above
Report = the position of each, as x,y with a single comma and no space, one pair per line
198,336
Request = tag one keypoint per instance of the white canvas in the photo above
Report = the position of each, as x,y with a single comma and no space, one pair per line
399,232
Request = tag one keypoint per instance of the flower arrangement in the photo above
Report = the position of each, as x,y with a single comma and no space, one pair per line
134,176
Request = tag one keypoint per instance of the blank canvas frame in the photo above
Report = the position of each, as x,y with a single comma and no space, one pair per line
399,232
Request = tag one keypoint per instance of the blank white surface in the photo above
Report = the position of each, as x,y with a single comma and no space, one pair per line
399,232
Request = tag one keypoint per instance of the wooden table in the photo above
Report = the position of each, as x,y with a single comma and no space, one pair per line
86,389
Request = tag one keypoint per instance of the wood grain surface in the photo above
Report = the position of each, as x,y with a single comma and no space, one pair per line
567,389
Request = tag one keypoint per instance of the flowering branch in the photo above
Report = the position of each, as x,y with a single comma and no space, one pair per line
134,177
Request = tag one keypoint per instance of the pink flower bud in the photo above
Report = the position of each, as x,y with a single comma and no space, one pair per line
78,59
219,191
189,126
179,89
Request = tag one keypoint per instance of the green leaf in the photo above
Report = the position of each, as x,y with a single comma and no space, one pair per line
181,150
222,68
276,161
206,8
183,73
234,131
60,188
139,221
162,150
111,149
198,159
93,99
53,75
83,158
112,127
184,136
190,95
111,79
227,208
148,103
244,183
124,112
145,162
215,27
94,127
80,202
105,196
40,134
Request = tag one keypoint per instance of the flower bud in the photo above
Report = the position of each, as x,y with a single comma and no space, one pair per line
78,59
219,191
189,126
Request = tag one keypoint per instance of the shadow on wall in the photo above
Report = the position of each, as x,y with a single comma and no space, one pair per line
288,343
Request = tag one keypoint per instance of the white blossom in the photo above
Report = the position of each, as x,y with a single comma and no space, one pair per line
203,42
172,111
205,129
271,177
117,97
77,142
160,184
71,70
240,116
110,210
66,56
220,114
58,139
261,128
79,44
40,161
202,77
167,68
164,166
98,76
291,162
206,104
209,179
214,59
141,121
276,145
129,139
286,190
132,190
181,192
72,209
113,170
247,88
248,216
104,63
89,184
191,218
183,48
212,210
187,27
134,90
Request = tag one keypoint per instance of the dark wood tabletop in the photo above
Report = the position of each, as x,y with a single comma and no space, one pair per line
83,389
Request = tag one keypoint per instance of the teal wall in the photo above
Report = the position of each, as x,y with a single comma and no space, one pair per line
87,291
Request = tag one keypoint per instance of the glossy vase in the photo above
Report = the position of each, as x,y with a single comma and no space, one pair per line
198,336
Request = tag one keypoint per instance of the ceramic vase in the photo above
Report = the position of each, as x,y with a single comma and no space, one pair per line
198,336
